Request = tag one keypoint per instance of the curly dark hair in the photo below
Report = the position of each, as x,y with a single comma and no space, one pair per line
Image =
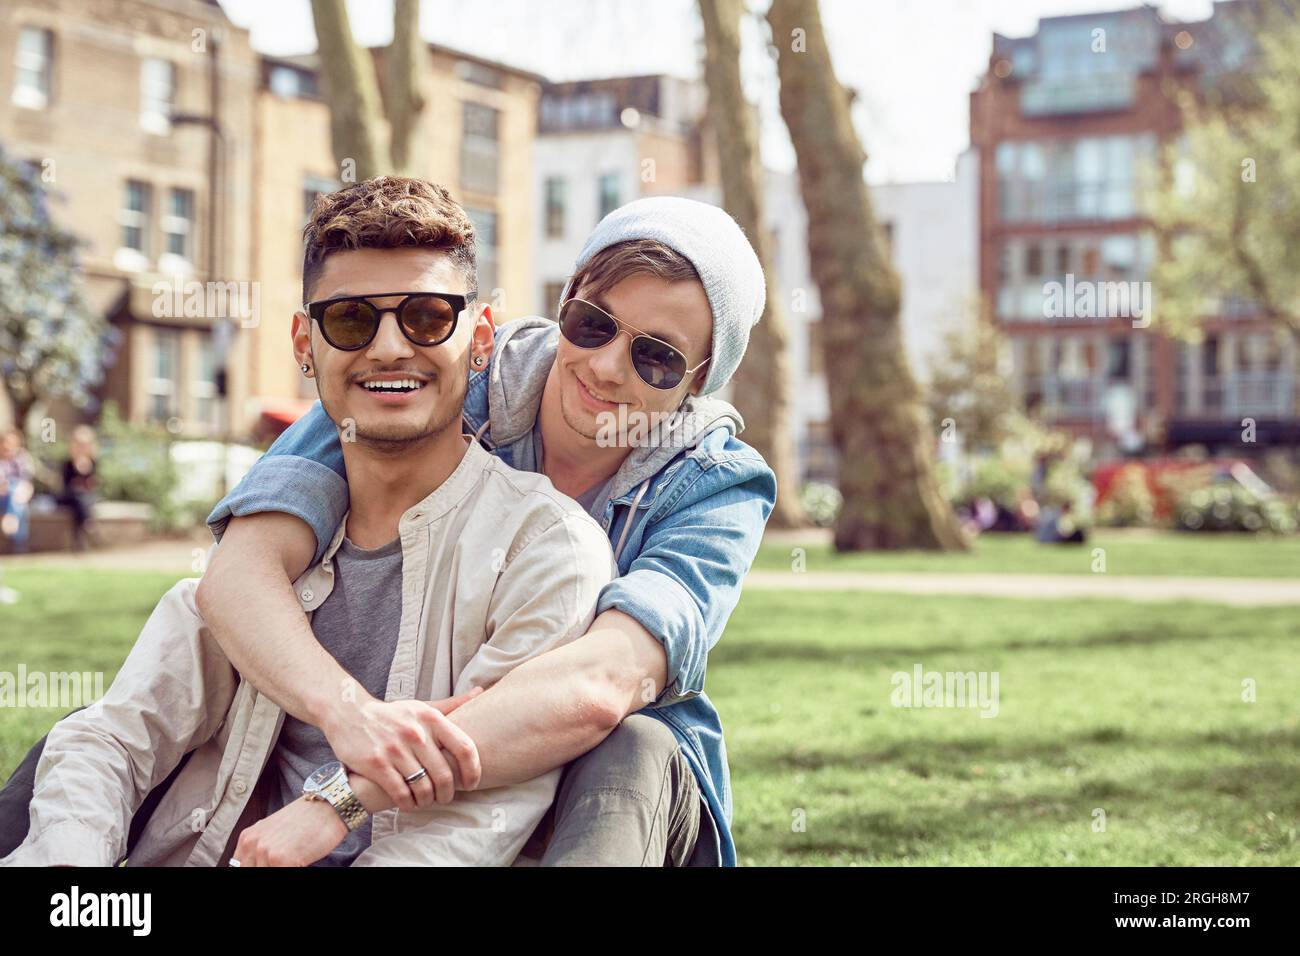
386,213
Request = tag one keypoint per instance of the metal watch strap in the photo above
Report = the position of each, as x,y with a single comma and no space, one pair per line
340,796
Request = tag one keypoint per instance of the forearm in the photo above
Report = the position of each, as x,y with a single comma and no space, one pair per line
557,706
247,601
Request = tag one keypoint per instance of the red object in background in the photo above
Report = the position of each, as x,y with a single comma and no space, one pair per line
278,416
1156,470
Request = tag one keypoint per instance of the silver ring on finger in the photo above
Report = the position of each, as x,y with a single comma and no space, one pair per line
418,775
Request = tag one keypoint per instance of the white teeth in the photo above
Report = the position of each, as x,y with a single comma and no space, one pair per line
409,383
595,395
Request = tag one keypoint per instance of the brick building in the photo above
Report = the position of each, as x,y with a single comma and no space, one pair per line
1069,125
183,156
111,99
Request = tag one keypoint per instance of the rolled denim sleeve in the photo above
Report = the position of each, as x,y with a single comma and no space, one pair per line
686,580
302,474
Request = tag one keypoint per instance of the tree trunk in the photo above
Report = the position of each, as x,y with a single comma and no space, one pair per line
403,87
352,92
762,382
879,426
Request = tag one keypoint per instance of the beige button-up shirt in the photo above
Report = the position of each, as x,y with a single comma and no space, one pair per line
497,567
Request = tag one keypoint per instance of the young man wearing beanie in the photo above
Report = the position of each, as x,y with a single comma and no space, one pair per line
646,781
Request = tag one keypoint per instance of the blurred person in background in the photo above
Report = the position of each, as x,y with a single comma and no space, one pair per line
80,483
16,471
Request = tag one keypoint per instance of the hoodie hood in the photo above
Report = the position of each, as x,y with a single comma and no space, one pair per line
522,357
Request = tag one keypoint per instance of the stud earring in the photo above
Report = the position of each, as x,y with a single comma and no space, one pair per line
478,361
305,368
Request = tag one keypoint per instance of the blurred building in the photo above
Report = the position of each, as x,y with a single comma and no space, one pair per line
1068,124
602,143
189,163
139,114
476,137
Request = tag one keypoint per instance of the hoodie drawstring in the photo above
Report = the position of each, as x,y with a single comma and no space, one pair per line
622,538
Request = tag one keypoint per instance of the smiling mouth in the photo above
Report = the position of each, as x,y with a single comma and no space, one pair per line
400,386
592,395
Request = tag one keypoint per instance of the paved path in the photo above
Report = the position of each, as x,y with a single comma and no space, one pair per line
1243,592
178,555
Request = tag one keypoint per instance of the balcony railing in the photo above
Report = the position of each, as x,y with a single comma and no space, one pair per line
1077,94
1269,394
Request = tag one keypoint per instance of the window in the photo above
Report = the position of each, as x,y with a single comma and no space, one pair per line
157,94
313,186
479,148
1118,360
479,73
555,208
607,194
204,386
166,361
1034,260
1210,356
178,224
1068,179
485,248
134,216
33,64
291,83
551,293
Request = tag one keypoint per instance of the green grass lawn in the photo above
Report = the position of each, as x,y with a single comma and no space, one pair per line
1132,709
1126,553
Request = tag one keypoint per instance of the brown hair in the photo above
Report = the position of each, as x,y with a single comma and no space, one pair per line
386,213
615,263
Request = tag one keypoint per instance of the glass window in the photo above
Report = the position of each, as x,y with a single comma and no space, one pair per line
178,224
1119,256
33,68
166,360
292,84
551,293
1118,360
479,148
608,194
134,217
555,195
204,386
313,186
157,94
485,248
1034,259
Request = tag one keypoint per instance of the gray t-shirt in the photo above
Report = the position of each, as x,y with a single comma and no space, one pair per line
358,624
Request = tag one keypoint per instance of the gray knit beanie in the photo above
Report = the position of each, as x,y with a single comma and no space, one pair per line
716,247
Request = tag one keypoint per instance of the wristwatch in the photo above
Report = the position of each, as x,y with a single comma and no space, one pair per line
330,784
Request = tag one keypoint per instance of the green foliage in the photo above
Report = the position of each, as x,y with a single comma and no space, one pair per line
968,384
1231,206
1230,507
135,465
51,344
820,502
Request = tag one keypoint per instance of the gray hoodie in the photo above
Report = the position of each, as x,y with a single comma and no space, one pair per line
523,355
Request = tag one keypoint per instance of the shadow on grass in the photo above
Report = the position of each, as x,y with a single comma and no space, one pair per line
952,758
923,831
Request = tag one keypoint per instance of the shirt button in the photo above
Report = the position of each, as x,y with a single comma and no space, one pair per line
307,594
240,786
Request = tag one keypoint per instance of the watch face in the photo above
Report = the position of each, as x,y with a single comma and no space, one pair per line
322,776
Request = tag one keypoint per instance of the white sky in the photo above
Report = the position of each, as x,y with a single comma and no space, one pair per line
913,62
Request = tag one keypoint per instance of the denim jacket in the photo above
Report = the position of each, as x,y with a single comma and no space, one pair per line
685,513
